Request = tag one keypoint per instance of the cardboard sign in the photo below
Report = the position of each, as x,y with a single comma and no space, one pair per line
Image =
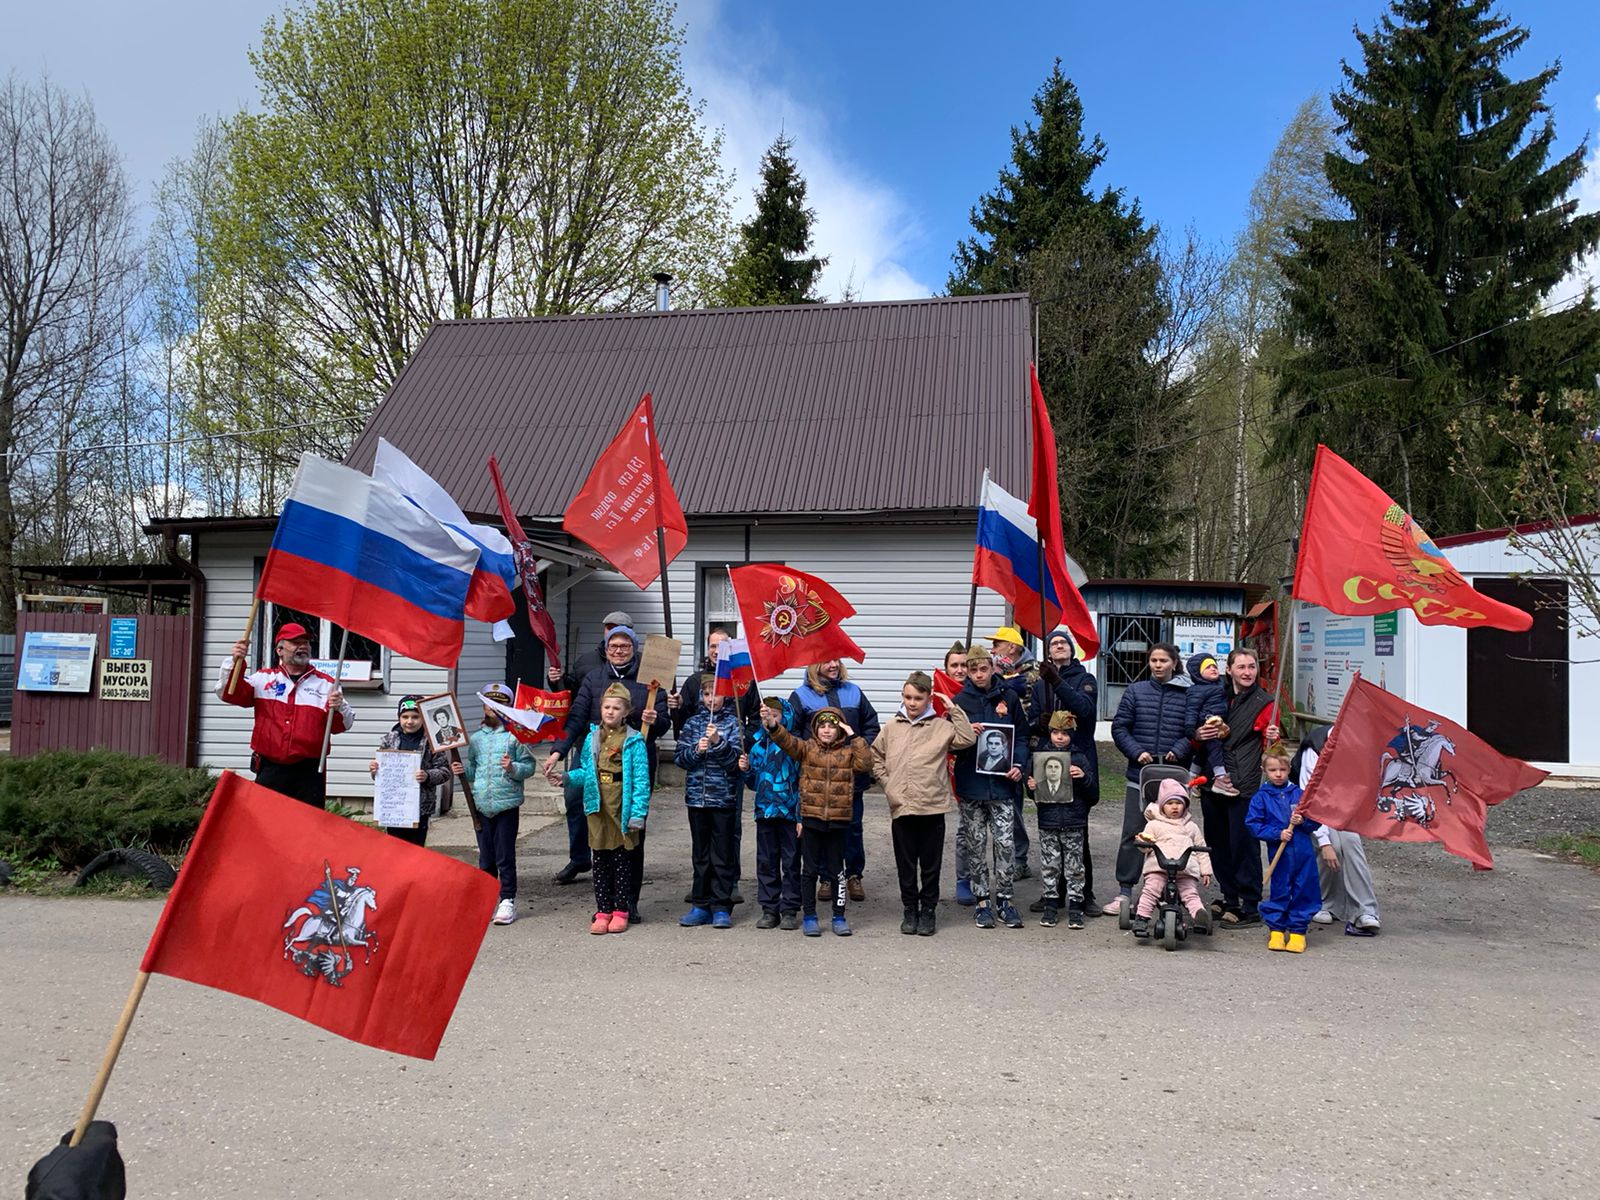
396,790
658,661
125,678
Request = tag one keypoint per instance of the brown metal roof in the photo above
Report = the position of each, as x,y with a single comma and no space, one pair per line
876,407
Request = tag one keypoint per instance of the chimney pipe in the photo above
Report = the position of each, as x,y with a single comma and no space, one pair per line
663,291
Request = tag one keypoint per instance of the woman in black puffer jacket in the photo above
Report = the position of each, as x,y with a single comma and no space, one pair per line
1148,721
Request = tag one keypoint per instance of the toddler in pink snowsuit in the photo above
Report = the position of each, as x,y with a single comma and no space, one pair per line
1171,828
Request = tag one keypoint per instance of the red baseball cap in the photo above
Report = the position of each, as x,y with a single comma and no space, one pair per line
292,632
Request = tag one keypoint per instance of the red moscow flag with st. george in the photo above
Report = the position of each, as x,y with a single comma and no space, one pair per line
791,619
367,936
626,498
1396,771
1361,553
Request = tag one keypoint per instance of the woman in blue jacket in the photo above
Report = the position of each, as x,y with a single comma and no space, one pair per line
1148,721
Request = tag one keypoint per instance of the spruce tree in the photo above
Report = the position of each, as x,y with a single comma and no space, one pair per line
1421,309
1089,262
772,265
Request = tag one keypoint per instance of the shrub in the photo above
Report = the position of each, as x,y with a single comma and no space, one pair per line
70,805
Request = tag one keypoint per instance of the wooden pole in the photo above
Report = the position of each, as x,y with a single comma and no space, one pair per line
118,1035
1272,866
466,792
249,628
338,682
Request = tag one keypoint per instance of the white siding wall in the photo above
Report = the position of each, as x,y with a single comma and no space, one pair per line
909,585
483,661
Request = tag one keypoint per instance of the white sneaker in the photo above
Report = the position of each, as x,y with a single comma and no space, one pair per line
1367,921
1323,918
505,912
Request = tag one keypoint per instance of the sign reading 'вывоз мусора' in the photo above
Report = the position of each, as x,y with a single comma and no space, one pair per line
124,679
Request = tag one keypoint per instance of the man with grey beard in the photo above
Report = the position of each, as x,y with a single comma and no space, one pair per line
291,702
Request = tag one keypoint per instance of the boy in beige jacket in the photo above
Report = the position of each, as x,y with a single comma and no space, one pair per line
911,760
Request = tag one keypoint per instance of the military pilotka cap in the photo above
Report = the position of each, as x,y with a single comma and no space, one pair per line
979,654
1061,719
956,647
618,691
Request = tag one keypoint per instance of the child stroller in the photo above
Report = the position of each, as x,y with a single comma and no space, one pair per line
1170,923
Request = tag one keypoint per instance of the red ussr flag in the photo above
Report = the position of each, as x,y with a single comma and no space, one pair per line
253,913
790,618
944,689
1361,553
555,705
1044,506
1395,771
626,498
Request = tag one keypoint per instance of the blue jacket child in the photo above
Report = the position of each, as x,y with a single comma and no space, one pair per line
712,778
712,789
1296,891
773,777
1208,697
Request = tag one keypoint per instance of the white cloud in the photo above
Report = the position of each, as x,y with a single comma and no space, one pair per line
863,226
1587,192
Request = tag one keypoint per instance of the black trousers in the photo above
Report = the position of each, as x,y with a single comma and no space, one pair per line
1130,859
417,836
1235,851
822,853
611,873
711,845
497,849
297,780
777,866
635,870
918,853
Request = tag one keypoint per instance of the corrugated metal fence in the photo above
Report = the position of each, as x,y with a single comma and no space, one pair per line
8,674
158,726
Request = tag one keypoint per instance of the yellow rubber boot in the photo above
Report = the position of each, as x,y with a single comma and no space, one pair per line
1296,943
1275,940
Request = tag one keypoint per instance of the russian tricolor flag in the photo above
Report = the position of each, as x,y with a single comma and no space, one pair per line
495,578
354,551
735,672
1007,558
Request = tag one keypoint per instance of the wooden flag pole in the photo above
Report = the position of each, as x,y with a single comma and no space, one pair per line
118,1036
249,628
1272,866
338,682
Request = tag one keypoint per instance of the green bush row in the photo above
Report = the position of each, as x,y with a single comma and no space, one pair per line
70,805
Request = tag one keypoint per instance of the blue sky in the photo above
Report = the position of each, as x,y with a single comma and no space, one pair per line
901,111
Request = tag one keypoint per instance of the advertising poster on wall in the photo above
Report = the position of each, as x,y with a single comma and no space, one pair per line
56,662
1330,649
1203,635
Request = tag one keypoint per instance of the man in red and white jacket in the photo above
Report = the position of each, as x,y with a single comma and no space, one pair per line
291,702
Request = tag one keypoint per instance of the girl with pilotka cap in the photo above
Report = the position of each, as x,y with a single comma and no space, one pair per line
612,768
829,761
911,759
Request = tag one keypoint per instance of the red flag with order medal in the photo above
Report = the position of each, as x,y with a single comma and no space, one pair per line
333,922
791,619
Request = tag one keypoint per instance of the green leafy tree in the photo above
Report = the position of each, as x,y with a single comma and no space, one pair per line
772,265
447,159
1092,268
1430,301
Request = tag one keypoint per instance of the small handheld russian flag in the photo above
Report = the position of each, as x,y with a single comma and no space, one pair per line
734,669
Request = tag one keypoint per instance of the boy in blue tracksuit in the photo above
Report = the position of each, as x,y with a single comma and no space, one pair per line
1207,704
1296,890
709,748
497,765
774,779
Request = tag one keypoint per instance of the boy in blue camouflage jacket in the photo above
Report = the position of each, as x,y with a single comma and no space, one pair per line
774,778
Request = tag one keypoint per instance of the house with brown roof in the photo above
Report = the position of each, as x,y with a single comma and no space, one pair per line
848,440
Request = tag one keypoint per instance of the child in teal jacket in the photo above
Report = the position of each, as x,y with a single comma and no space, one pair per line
496,764
612,765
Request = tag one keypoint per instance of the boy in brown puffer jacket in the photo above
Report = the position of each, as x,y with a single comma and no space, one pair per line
828,760
911,759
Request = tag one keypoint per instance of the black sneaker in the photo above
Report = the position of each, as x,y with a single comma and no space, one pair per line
1038,905
1022,870
1091,908
1049,918
926,923
1250,917
1140,926
791,920
908,923
570,872
1009,914
769,919
984,917
1074,915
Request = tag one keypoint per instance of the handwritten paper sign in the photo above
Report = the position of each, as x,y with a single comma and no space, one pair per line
658,661
396,790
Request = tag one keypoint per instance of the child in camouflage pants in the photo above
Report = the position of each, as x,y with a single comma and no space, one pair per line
1063,790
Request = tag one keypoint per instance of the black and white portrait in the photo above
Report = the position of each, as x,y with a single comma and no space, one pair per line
442,721
1052,777
994,750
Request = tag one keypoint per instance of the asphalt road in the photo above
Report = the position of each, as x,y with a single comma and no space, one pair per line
1454,1055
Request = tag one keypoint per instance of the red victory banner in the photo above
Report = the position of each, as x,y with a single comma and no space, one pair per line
791,618
527,562
1044,505
1361,553
363,934
626,499
554,705
1396,771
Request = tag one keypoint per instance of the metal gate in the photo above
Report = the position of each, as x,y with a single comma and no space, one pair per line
1125,642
